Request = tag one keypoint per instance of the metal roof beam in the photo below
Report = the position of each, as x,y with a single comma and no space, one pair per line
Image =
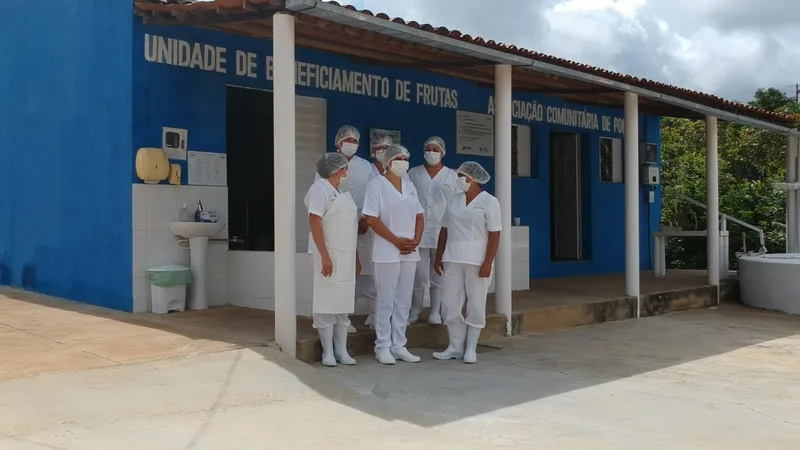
374,24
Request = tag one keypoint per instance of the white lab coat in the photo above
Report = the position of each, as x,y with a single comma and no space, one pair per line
434,195
468,227
398,211
334,294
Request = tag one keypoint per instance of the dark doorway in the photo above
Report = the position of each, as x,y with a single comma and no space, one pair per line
250,148
566,203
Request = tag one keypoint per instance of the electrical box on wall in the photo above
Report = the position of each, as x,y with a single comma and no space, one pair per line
651,175
174,142
648,153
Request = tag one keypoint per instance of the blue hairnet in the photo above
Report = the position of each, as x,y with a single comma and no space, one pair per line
394,151
474,171
347,132
330,163
437,141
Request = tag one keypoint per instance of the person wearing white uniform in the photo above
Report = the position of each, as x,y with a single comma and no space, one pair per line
465,258
378,146
435,184
393,211
347,140
333,218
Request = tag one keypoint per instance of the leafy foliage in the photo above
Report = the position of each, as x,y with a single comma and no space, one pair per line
750,162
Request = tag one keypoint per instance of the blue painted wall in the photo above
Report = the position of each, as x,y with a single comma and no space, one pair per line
194,98
65,135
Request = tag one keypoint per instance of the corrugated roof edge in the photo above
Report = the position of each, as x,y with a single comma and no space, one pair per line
683,93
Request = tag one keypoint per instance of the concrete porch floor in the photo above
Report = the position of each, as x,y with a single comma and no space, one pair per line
45,334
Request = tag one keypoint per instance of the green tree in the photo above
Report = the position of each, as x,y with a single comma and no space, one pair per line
750,162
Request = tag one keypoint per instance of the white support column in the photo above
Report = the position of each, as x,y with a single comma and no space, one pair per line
712,201
285,239
632,262
791,195
502,188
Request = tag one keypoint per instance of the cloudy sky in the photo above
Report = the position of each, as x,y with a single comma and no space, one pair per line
724,47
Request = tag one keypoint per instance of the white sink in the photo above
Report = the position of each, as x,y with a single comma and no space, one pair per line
197,233
189,230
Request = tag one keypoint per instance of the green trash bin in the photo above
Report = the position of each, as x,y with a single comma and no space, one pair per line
168,288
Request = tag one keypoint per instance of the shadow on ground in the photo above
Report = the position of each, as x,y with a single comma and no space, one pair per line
510,371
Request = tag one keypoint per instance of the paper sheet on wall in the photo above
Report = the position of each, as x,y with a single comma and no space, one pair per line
208,169
474,134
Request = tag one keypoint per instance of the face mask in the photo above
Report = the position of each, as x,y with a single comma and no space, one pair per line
342,179
349,149
379,154
462,184
433,158
399,167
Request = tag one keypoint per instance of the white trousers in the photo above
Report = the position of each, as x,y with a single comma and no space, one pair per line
395,283
328,320
365,288
457,280
424,278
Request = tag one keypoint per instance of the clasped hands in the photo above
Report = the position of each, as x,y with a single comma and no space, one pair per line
405,245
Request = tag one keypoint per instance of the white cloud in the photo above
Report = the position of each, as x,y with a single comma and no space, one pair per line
725,47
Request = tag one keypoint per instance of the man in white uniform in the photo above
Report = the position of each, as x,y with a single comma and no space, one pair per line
435,184
347,140
465,257
393,211
333,219
365,282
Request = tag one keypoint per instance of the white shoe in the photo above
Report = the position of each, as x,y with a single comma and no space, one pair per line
385,357
435,319
413,319
351,329
455,349
470,349
326,339
370,322
340,346
403,354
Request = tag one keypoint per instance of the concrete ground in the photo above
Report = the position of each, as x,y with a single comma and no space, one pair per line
707,379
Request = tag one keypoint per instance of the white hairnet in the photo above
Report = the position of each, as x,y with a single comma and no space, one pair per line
329,163
381,140
393,152
474,171
437,141
347,132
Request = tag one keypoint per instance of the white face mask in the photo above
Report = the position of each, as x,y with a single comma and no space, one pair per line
399,167
462,184
379,154
349,149
433,158
342,179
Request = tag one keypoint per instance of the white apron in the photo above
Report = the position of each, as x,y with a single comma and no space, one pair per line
336,294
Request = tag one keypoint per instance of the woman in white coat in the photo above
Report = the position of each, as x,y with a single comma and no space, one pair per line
393,211
333,218
465,258
365,282
359,170
435,184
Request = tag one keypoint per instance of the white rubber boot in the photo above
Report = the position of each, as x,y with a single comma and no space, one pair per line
436,304
340,345
326,338
403,354
416,305
471,347
385,357
370,322
455,350
351,329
